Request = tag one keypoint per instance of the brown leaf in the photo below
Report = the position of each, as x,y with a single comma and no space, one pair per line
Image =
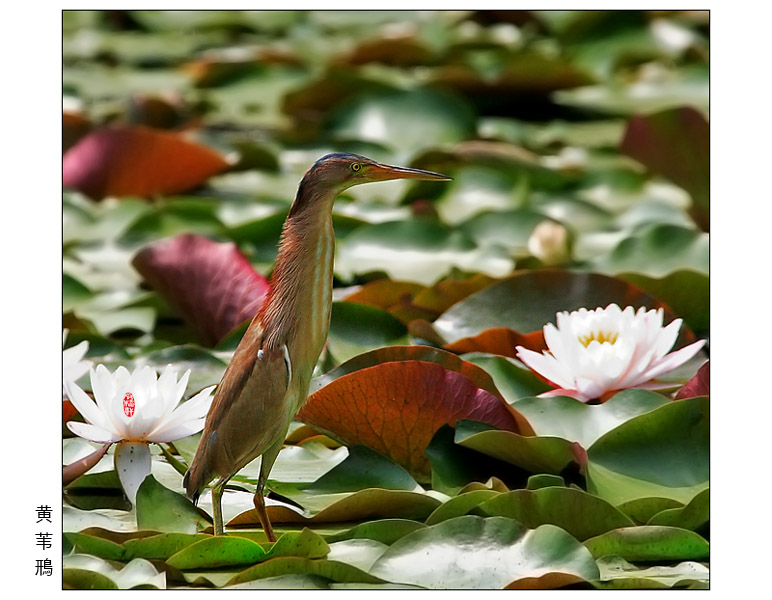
499,340
396,407
212,285
548,581
137,161
384,293
68,411
74,127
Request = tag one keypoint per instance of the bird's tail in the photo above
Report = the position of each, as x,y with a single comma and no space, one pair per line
192,492
196,477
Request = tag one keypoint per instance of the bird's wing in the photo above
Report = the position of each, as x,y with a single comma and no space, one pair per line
249,411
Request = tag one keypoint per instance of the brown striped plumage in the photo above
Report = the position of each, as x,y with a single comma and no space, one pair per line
268,377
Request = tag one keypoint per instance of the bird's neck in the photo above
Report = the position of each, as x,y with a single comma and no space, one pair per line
297,310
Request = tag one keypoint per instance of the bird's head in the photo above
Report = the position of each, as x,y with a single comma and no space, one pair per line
333,173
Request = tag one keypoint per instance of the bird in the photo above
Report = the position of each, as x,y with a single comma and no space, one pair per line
266,382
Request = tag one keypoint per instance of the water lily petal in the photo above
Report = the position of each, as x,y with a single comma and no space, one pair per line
544,364
178,431
93,432
192,410
132,463
675,359
86,407
593,352
563,392
73,365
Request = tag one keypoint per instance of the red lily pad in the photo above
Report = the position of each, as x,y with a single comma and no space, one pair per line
699,385
212,285
675,143
137,161
384,293
396,407
499,340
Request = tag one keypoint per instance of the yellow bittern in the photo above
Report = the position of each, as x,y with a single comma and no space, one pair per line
266,383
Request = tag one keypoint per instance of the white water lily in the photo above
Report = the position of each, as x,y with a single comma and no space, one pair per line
133,409
73,365
593,352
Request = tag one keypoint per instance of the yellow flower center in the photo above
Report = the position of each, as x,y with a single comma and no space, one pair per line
601,337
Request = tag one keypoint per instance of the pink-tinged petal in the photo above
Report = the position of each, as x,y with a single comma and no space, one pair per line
654,385
85,406
93,432
674,359
666,339
590,388
563,392
544,364
132,463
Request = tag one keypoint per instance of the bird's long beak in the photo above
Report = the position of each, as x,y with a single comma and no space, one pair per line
379,172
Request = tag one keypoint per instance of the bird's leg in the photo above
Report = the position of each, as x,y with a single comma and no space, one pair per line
217,507
266,463
262,514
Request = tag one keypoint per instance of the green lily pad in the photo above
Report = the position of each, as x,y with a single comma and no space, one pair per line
418,250
73,292
363,468
579,422
304,543
81,571
472,552
161,546
663,454
658,250
175,216
649,543
357,328
474,190
579,513
103,548
414,118
512,379
535,454
371,503
217,551
694,516
455,468
617,573
460,505
686,292
161,509
360,553
386,531
510,229
641,510
83,579
543,480
293,565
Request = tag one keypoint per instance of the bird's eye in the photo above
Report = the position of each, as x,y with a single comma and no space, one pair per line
356,167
